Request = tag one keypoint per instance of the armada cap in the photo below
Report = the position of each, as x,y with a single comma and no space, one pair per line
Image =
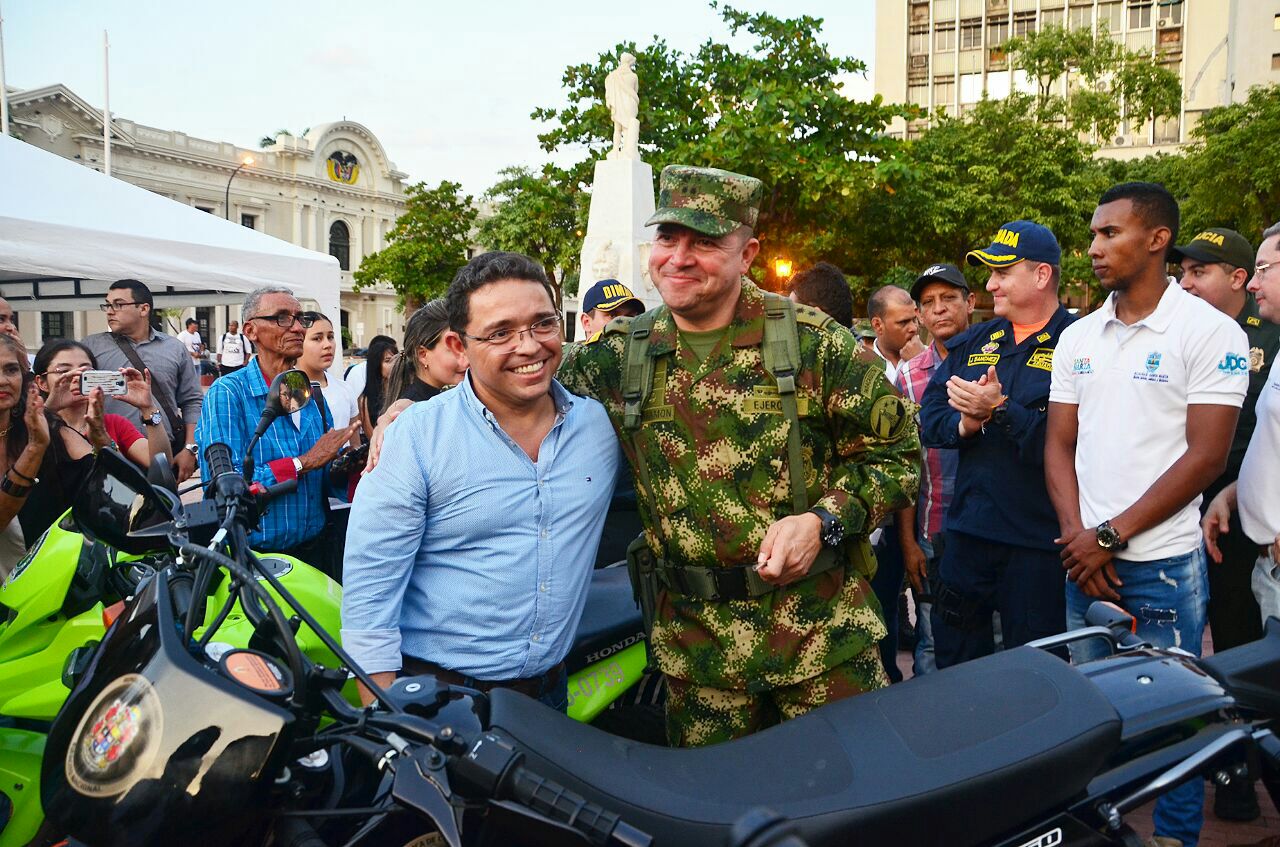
607,295
707,200
1018,241
1217,244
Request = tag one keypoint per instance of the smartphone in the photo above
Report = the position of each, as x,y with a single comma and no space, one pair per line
111,382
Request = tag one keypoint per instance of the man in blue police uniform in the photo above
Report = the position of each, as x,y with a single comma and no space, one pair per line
989,399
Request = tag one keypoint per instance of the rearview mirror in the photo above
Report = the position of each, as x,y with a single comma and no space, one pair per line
117,506
290,392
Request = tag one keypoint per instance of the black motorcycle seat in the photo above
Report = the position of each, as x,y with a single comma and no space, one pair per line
957,757
610,619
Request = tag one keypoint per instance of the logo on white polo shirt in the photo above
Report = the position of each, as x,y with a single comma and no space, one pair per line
1234,365
1152,372
1081,366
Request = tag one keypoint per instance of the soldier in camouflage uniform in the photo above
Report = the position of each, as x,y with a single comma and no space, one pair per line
713,443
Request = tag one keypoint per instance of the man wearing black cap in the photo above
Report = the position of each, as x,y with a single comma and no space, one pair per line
604,301
945,303
988,399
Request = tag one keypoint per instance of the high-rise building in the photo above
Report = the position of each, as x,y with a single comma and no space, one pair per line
944,54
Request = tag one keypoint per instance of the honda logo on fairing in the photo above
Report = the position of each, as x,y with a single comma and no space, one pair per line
1052,838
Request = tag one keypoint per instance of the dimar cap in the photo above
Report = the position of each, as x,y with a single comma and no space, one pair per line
607,295
1217,244
1018,241
708,200
941,272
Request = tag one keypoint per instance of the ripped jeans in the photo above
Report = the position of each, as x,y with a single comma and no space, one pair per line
1170,599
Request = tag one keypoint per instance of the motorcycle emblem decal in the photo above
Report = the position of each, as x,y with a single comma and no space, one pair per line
1052,838
117,739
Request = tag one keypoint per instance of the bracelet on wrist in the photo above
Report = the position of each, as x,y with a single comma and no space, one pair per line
30,479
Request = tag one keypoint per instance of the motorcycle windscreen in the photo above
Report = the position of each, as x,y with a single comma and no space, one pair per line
156,747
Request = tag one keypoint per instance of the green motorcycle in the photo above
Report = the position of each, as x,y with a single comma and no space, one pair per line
64,594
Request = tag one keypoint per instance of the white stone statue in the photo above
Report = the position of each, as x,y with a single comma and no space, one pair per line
605,264
622,96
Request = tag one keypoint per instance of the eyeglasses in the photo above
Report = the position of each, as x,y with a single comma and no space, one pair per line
507,339
117,306
284,320
1262,267
63,370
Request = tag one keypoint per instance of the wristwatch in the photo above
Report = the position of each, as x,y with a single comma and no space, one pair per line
832,532
1000,413
153,419
1109,539
193,449
297,466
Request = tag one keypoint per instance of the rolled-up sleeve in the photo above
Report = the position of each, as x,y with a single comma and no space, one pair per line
388,517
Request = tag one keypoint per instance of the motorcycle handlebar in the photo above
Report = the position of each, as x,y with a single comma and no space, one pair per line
217,461
552,800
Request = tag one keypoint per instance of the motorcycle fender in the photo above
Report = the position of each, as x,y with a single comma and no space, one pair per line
593,688
20,755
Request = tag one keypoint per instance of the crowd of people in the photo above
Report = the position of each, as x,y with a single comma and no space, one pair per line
794,476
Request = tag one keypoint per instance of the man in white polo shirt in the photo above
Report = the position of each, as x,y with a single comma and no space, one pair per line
1143,403
1257,491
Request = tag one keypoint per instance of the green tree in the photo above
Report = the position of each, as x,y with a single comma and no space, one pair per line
775,108
426,246
268,140
1230,175
1106,82
951,189
540,215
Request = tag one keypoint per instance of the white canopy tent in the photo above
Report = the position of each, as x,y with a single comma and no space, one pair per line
67,230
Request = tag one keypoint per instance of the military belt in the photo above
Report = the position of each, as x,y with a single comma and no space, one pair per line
739,582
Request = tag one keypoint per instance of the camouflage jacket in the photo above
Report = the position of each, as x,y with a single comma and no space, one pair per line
715,442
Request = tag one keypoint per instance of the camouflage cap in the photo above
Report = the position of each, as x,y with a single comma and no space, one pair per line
709,200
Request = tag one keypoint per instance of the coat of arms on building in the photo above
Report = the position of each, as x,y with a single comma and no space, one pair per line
343,167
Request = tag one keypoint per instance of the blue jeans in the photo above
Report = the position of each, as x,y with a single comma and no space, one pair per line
924,661
887,584
1169,597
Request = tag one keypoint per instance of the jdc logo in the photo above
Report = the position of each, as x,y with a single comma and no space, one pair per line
1232,364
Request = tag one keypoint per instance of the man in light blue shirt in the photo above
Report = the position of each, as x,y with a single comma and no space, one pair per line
471,544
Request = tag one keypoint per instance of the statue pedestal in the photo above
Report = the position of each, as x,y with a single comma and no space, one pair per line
617,243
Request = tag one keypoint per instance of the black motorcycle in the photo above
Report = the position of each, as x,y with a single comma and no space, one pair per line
160,743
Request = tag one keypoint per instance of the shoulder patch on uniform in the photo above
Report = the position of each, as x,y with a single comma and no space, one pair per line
617,326
874,369
889,417
810,316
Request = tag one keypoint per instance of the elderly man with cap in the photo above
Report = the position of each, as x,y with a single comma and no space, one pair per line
988,399
764,452
946,303
604,301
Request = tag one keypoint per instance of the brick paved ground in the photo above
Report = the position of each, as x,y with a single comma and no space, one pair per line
1216,833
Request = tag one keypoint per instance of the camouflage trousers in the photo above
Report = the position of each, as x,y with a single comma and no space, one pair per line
698,715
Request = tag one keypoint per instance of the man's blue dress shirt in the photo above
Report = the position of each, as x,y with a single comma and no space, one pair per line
463,551
232,408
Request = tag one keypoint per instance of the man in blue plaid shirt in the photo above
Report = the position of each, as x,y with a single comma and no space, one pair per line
297,446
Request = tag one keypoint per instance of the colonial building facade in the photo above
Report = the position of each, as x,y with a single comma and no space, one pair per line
333,189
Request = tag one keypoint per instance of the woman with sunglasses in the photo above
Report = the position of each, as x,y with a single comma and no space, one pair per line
427,366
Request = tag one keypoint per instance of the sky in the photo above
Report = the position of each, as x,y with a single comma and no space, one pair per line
446,86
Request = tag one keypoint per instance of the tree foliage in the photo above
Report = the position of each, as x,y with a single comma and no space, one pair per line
540,215
1102,74
952,188
774,109
426,247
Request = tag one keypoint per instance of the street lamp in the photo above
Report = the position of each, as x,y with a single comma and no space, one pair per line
226,205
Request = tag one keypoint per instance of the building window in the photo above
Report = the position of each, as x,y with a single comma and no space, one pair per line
944,93
1140,15
340,244
55,325
944,10
997,32
918,41
1275,61
250,221
970,35
918,95
1080,17
970,88
1169,12
208,209
1024,23
944,38
998,85
204,321
1051,17
1109,17
1275,23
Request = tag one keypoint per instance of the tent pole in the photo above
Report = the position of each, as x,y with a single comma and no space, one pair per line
106,104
